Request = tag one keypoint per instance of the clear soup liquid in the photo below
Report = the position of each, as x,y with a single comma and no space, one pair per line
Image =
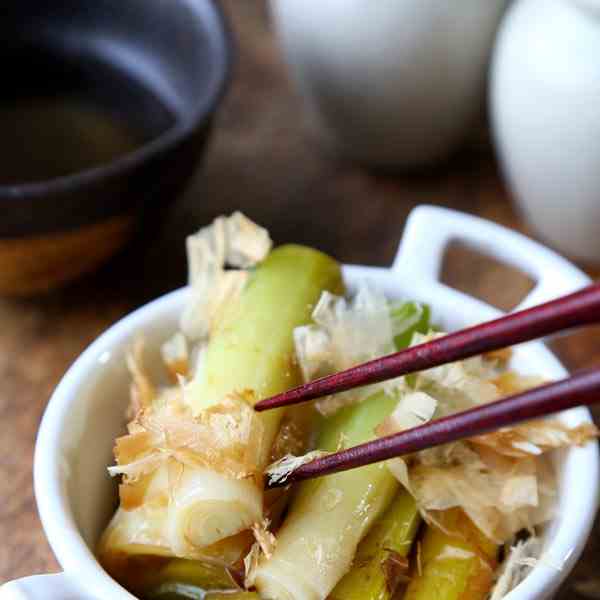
62,114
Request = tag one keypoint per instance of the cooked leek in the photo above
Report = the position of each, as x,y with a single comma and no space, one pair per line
232,596
181,591
183,508
155,577
453,566
182,580
329,516
408,317
252,350
380,563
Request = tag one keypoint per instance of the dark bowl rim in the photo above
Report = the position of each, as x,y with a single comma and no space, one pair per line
174,135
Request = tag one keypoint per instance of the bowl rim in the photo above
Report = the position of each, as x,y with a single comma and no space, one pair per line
76,557
174,135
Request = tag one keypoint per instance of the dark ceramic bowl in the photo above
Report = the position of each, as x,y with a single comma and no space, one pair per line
141,77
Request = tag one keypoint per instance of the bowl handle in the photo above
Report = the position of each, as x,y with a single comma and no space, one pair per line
58,586
429,230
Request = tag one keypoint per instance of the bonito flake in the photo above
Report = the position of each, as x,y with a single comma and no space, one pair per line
141,390
413,409
175,355
264,538
459,385
167,444
251,565
515,568
535,438
345,332
280,470
502,480
225,437
235,241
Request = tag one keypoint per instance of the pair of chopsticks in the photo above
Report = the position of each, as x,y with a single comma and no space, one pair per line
574,310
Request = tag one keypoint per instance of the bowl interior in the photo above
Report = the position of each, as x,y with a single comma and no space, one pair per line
103,79
99,415
76,496
176,50
77,97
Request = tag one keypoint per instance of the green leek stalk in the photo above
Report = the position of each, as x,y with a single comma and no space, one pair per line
251,352
152,577
187,579
457,566
377,568
232,596
330,515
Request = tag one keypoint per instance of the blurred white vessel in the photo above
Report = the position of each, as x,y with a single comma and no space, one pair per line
391,82
545,100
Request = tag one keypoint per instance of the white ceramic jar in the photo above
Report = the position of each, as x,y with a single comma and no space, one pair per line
392,82
545,99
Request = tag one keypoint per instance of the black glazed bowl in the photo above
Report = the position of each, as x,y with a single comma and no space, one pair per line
159,67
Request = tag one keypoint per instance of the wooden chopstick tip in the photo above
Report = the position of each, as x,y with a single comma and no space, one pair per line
266,404
580,389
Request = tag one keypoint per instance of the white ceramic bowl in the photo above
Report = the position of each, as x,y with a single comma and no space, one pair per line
75,495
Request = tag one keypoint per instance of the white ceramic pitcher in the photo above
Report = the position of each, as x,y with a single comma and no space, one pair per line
392,82
545,98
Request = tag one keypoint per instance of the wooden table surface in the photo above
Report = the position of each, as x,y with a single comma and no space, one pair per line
263,160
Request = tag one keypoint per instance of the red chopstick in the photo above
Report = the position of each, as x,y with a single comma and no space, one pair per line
582,388
574,310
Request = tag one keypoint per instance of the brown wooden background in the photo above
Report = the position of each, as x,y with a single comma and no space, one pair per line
264,161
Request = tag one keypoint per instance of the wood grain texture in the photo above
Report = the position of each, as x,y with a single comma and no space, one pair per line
263,160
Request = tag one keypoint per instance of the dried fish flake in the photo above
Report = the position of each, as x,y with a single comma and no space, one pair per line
175,355
143,390
227,437
412,410
233,240
247,242
280,470
501,480
536,437
345,332
265,539
516,566
251,565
